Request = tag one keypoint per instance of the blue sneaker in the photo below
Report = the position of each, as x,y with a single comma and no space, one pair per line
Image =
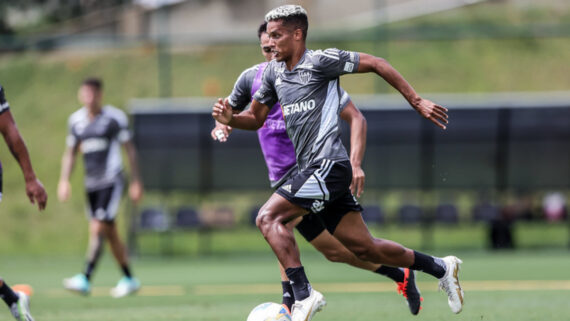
126,286
78,284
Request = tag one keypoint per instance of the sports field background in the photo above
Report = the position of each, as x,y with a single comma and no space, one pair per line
520,285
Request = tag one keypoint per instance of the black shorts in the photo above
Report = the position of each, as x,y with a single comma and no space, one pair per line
324,189
102,204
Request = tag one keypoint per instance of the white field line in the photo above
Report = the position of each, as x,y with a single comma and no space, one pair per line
354,287
151,290
372,287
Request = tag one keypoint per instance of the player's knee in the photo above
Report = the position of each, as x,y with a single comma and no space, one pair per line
1,281
263,220
335,255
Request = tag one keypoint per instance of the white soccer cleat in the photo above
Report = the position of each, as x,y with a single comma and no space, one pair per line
305,309
450,283
21,309
126,286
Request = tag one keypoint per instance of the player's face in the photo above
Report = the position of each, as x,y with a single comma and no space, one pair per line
89,96
281,40
265,47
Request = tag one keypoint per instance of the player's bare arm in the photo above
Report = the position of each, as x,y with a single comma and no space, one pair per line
67,163
135,186
358,127
250,119
34,188
435,113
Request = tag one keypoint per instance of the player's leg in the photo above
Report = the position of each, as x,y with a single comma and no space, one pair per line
318,233
271,220
288,297
354,234
81,283
315,232
17,302
127,284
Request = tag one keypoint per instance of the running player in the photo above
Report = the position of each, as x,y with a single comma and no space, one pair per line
98,131
279,156
305,82
17,301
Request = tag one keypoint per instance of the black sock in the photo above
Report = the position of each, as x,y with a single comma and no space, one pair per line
89,267
428,264
299,282
393,273
9,296
288,296
126,271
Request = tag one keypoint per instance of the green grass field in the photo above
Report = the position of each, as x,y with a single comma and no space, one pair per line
521,285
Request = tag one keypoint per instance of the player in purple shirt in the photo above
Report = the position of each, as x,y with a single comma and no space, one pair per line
279,155
16,300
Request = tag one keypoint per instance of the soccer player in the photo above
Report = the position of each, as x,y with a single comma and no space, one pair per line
305,82
98,131
279,156
18,301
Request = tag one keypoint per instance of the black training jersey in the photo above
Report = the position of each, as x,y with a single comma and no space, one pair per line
99,140
310,98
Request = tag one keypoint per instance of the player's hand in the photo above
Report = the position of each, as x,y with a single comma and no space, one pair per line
222,112
436,113
63,191
221,132
135,191
36,193
357,184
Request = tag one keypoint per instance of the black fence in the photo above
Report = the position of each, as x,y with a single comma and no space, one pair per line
485,147
492,145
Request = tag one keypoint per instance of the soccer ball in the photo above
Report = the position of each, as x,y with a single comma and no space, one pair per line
269,311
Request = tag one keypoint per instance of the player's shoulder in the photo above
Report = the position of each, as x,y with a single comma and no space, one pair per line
115,113
249,73
323,54
78,115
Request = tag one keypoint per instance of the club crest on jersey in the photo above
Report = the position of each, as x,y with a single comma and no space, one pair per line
318,206
305,76
278,82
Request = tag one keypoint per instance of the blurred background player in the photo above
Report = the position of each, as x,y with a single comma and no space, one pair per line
18,301
279,155
305,82
98,131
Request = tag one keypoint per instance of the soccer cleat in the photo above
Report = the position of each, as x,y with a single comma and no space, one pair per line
305,309
410,291
78,284
450,283
126,286
21,309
